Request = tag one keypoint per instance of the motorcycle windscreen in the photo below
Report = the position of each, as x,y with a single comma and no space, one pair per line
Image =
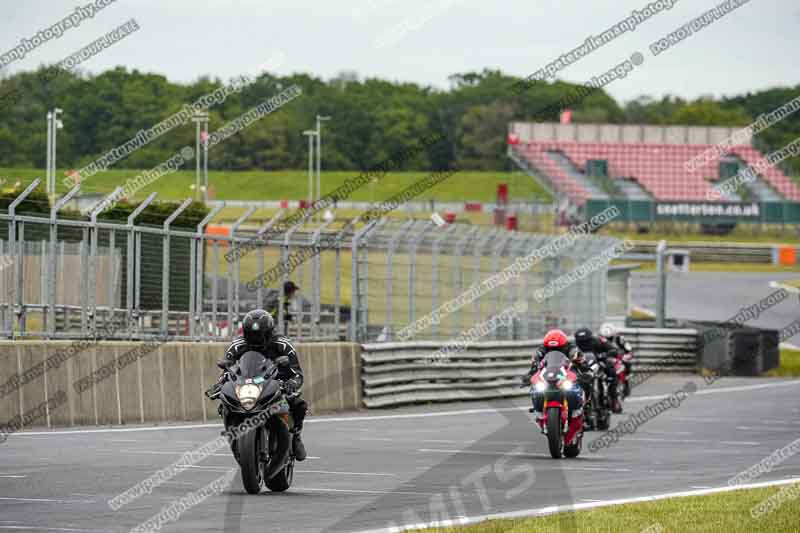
553,363
252,365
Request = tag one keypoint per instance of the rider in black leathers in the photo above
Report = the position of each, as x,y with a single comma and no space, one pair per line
607,352
258,334
609,331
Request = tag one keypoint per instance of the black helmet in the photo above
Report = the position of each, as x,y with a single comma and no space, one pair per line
583,338
289,286
257,327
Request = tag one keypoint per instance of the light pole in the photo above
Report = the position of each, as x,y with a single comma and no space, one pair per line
310,134
201,120
49,152
53,125
320,119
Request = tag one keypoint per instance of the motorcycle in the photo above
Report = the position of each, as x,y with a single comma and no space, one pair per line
558,397
625,376
619,363
598,406
255,411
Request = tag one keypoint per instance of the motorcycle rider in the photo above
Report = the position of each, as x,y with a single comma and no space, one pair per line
604,349
610,332
258,330
555,340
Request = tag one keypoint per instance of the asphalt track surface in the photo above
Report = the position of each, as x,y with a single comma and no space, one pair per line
372,470
722,294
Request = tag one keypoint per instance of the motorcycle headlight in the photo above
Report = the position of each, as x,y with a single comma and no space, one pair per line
566,384
540,386
247,395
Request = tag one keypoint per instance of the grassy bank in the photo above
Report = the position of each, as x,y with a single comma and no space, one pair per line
697,266
293,184
790,365
716,513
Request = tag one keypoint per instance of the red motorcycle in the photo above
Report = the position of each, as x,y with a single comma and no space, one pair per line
558,404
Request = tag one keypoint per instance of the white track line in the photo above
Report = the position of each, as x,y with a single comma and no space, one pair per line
179,452
693,441
521,454
344,473
527,513
46,500
353,491
370,418
40,528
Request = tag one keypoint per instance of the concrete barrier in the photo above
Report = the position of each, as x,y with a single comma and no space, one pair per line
114,383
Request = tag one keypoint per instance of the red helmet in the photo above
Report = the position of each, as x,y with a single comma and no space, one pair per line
555,338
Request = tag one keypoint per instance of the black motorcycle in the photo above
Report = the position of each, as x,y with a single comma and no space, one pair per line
256,413
595,385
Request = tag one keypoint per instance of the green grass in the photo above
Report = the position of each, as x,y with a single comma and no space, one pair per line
790,365
719,267
716,513
293,184
743,234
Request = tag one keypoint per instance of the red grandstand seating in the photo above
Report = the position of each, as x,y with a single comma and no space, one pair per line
659,168
560,180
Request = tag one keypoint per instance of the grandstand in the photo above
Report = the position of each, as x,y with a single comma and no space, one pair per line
608,162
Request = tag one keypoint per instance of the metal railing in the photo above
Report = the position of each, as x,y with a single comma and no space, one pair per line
67,278
403,373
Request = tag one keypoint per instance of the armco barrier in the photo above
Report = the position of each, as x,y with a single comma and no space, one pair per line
400,373
164,385
705,252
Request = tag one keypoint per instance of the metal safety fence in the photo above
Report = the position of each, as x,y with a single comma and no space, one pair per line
362,281
406,272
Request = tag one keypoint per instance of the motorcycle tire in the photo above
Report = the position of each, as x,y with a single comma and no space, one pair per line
283,479
604,419
249,445
555,439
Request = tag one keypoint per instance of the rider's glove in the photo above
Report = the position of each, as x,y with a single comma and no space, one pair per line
290,386
526,379
214,391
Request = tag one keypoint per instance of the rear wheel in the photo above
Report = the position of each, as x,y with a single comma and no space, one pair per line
283,479
554,437
249,460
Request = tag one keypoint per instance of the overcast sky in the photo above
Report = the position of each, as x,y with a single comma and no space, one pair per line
424,41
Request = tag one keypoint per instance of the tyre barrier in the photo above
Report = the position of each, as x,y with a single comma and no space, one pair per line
409,372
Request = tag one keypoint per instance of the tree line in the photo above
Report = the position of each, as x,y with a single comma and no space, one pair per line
372,118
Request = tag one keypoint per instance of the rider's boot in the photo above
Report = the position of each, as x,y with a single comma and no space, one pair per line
299,448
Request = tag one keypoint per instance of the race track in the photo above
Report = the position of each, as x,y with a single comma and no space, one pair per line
722,295
417,464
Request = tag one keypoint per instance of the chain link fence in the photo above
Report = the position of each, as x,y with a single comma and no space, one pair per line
405,271
64,278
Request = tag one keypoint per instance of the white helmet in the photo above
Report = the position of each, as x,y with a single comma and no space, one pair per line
608,330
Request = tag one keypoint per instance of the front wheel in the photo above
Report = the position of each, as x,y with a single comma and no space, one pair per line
555,439
249,445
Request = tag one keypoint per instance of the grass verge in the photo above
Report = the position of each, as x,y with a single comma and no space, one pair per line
719,267
463,186
789,368
727,512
